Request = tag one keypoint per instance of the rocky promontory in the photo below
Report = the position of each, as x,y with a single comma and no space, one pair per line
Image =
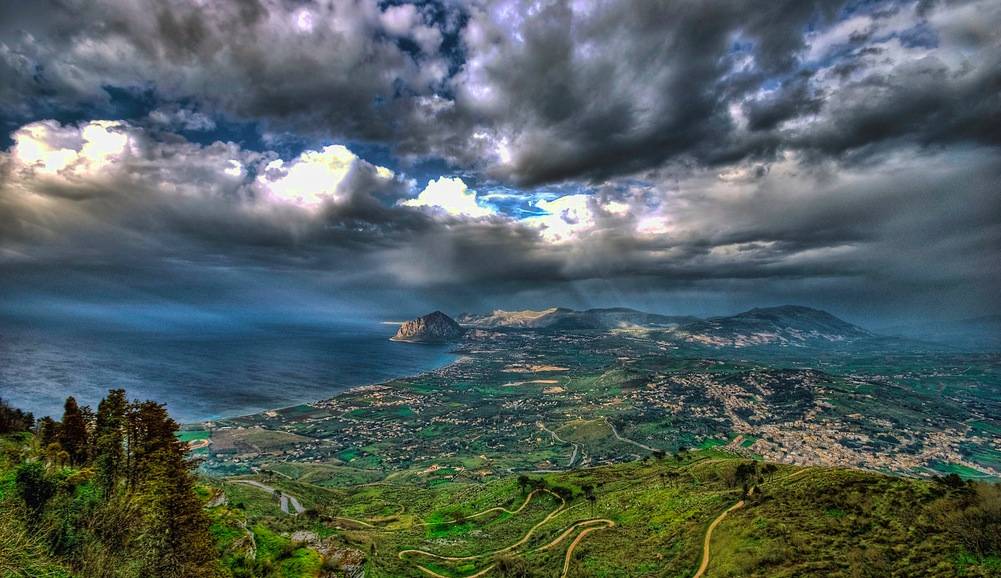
434,327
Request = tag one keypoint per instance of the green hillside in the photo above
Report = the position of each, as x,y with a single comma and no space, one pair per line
703,513
647,518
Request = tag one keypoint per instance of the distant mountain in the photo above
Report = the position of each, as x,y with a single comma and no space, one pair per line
979,333
563,318
434,327
785,325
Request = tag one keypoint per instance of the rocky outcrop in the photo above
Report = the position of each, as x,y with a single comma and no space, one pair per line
434,327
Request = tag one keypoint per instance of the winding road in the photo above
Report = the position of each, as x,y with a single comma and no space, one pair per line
615,433
576,446
286,499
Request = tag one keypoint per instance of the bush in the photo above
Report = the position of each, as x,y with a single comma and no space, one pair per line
34,487
977,521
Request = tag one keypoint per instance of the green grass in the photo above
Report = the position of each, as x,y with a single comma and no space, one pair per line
816,522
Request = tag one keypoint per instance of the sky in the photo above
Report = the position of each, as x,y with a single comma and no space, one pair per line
263,159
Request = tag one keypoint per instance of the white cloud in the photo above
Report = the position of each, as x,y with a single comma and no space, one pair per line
399,20
450,196
566,218
313,178
48,148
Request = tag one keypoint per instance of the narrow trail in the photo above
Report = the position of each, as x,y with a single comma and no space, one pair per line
528,536
500,508
569,555
709,535
197,445
603,522
740,504
370,526
589,526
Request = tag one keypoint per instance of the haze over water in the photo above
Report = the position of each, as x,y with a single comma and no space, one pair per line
205,373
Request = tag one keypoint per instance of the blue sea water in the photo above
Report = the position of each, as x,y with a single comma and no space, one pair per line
204,374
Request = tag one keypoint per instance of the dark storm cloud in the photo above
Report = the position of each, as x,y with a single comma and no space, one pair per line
534,93
336,67
691,150
613,89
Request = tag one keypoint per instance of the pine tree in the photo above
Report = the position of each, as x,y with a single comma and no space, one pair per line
109,440
177,532
73,432
48,431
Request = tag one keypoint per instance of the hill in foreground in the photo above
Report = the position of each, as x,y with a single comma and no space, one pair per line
693,513
643,518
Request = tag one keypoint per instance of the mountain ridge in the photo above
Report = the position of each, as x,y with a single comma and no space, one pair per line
779,325
782,325
565,318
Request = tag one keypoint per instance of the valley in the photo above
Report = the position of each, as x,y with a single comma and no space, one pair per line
618,395
550,452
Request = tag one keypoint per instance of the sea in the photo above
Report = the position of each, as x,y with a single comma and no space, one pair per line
204,374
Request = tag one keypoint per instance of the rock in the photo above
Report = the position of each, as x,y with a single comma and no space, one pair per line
434,327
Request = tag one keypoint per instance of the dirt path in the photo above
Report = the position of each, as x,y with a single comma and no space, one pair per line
569,556
370,526
709,531
528,536
604,522
285,499
709,535
589,526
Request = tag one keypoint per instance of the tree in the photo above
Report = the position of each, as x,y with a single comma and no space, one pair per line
13,420
976,522
523,482
48,431
588,490
745,472
109,440
177,538
73,432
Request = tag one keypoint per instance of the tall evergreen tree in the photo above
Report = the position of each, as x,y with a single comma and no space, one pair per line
48,431
73,432
177,529
109,440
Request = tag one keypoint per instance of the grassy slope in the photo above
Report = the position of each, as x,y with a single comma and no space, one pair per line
801,522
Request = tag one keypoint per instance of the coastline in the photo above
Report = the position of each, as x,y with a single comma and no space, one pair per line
350,390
